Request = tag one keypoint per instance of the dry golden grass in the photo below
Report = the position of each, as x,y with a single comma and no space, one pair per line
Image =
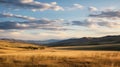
60,58
50,57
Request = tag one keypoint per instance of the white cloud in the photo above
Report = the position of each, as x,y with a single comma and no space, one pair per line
25,1
53,3
3,15
92,9
78,6
74,7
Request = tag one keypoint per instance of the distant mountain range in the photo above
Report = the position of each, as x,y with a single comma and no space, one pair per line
39,42
42,42
87,41
74,41
111,43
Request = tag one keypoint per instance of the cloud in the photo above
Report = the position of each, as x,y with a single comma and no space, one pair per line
99,26
31,23
44,24
96,23
3,15
80,23
75,7
108,14
31,4
92,9
108,19
19,34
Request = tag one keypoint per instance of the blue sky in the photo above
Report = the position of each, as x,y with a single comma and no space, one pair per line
58,19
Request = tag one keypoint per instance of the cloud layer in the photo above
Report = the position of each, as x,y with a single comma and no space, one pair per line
108,19
31,23
102,19
31,4
108,14
44,24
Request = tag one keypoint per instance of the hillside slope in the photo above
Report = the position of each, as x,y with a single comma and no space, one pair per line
88,41
13,46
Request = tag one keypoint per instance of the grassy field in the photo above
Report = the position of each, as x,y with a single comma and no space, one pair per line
12,54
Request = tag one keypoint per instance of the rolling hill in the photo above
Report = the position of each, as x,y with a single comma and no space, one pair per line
13,46
88,41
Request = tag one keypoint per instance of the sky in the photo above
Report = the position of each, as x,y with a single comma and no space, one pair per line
58,19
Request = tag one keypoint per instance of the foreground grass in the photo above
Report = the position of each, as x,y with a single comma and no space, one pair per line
60,58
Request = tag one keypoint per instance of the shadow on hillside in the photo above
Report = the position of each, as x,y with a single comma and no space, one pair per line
94,48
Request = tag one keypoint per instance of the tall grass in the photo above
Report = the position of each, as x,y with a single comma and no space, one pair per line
54,59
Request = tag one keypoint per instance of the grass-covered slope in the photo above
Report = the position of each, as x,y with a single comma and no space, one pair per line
12,46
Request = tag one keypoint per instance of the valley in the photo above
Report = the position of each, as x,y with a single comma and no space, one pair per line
30,55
